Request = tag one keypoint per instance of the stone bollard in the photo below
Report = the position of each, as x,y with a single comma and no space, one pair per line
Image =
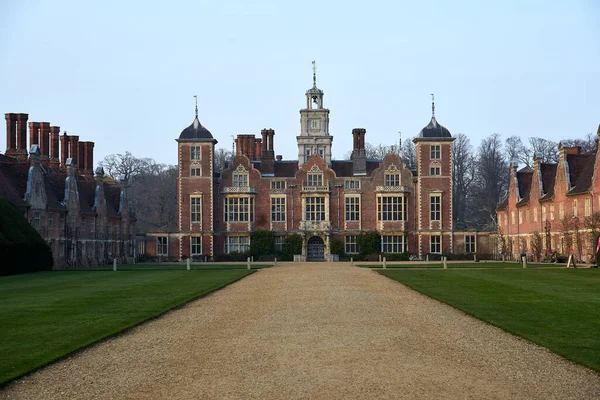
188,264
475,257
380,258
384,263
114,264
351,261
502,257
248,263
275,261
524,261
427,258
445,262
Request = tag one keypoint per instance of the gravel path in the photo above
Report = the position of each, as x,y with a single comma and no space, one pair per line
312,332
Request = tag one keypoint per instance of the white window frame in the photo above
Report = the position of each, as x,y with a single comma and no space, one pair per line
237,244
240,180
196,209
314,179
392,179
435,152
162,249
351,244
393,244
352,185
470,244
195,153
435,246
278,185
278,209
195,171
392,208
435,171
196,246
352,208
314,209
238,209
435,207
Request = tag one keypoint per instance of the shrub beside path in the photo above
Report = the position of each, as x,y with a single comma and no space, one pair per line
318,331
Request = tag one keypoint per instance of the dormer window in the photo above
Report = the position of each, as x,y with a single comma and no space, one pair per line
315,179
392,179
240,180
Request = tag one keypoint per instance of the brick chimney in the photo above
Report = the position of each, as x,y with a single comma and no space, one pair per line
54,147
74,150
267,159
22,150
45,143
86,154
34,133
64,149
258,148
359,158
11,133
81,154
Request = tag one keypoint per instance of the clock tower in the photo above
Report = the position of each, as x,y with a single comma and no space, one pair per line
314,136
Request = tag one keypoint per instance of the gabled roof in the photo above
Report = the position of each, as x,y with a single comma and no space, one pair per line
581,170
524,181
548,180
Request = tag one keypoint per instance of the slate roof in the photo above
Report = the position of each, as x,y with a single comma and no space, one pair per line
196,132
524,181
112,194
548,180
285,169
434,130
581,170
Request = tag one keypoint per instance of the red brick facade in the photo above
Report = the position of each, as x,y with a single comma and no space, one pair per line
319,198
85,219
552,208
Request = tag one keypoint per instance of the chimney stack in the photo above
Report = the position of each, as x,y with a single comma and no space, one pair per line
267,158
64,149
45,142
55,146
74,150
279,157
34,133
11,133
22,150
359,157
88,154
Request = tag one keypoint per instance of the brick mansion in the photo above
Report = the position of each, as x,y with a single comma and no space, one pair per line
314,196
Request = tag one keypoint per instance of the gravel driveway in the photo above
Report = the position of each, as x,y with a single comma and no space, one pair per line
312,331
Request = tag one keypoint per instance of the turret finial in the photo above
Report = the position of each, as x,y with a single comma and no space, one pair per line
432,105
196,98
314,63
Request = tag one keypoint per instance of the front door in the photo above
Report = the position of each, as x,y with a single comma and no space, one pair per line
315,249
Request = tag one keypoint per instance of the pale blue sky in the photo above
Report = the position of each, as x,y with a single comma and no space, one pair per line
123,74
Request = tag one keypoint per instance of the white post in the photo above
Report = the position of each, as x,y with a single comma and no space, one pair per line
444,262
475,257
114,264
275,260
188,264
524,261
427,257
248,263
380,258
384,263
502,257
351,261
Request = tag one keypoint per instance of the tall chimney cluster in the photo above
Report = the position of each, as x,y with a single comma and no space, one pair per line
55,148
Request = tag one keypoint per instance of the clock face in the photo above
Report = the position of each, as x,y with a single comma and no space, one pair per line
315,124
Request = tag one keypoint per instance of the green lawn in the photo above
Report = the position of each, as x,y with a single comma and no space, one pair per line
175,267
481,264
558,309
47,315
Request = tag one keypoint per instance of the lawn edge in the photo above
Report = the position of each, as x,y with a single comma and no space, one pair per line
516,334
123,331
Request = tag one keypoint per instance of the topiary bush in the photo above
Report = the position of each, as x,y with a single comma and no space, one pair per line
22,249
291,247
368,243
261,243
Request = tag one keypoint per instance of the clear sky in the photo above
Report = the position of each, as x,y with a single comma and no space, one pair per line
123,73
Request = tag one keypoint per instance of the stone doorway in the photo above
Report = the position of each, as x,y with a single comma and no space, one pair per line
315,249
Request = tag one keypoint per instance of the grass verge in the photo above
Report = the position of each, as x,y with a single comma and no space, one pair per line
558,309
478,265
173,267
48,315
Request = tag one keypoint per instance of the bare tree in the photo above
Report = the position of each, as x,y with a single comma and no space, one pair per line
123,165
463,174
409,153
222,157
587,143
491,178
516,150
537,245
547,149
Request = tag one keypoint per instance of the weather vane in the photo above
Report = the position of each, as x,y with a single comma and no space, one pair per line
196,98
314,63
432,105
